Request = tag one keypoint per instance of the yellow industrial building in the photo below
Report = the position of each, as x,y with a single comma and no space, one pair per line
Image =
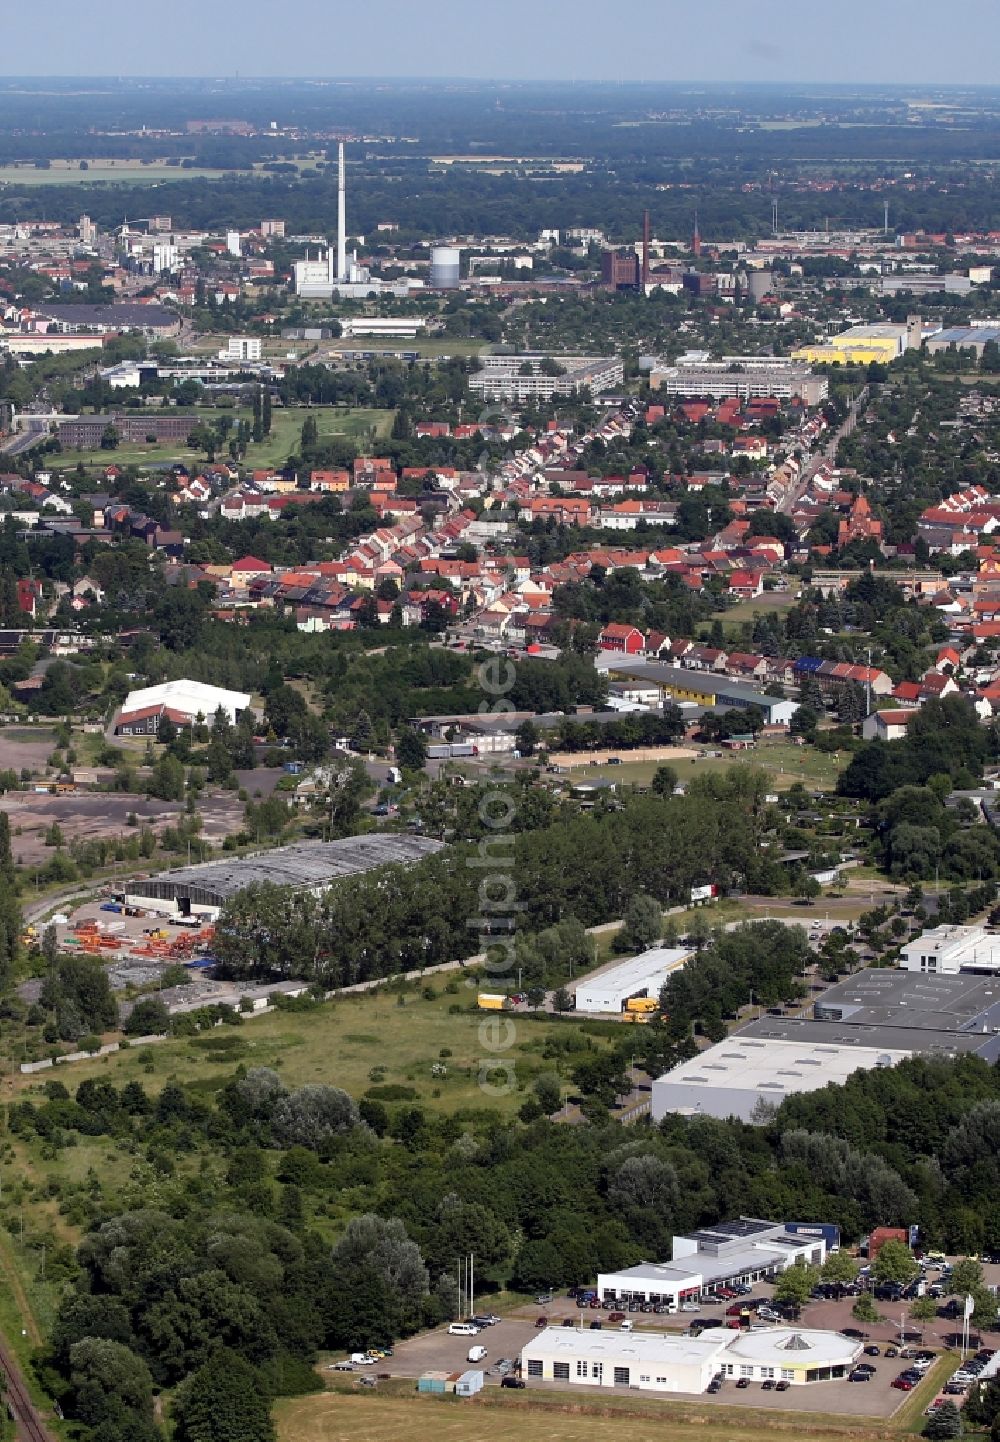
860,345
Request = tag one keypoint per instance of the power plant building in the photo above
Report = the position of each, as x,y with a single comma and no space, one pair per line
333,273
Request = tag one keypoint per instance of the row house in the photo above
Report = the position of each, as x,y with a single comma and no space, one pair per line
330,482
832,676
565,510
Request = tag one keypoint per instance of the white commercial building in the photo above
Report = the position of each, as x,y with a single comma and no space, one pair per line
649,1361
788,1354
666,1362
948,950
732,1078
185,700
745,1250
242,348
405,326
609,990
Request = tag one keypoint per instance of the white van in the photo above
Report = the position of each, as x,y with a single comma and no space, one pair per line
463,1329
627,1325
475,1354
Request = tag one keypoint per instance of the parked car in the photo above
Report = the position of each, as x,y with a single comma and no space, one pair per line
743,1382
690,1307
783,1385
858,1376
568,1322
544,1322
872,1351
596,1326
767,1385
903,1384
476,1354
543,1299
715,1385
616,1316
511,1382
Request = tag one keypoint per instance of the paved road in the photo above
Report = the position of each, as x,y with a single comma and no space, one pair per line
22,441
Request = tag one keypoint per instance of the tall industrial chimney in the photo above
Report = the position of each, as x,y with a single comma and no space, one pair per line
341,216
645,250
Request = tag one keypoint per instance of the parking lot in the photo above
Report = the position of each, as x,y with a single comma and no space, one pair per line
877,1398
438,1352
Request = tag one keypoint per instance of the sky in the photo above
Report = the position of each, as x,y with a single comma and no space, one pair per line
776,41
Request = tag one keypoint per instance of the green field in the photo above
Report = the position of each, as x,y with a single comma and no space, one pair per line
339,1043
103,172
334,422
556,1416
784,762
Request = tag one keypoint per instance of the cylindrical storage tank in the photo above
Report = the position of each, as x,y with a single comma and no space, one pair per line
446,262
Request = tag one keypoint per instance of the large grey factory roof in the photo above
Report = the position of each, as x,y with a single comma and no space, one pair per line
898,1011
966,335
306,865
117,313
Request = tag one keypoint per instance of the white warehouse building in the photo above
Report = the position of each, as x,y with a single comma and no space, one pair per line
610,989
734,1077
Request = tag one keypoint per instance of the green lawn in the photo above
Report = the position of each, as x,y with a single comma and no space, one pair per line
339,1043
770,603
339,422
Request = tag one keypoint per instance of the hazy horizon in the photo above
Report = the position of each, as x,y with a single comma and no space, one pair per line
892,43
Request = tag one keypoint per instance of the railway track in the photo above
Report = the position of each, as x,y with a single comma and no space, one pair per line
20,1407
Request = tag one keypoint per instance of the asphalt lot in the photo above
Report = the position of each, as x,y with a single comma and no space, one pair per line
437,1351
